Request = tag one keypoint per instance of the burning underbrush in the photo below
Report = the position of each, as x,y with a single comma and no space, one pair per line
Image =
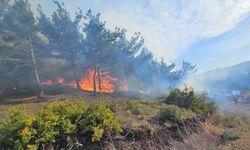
103,83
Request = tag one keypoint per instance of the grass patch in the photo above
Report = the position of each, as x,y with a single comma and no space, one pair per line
173,113
144,108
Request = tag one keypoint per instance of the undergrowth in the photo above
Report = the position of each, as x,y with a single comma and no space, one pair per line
18,130
187,98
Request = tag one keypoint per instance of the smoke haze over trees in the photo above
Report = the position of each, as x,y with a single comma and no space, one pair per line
35,49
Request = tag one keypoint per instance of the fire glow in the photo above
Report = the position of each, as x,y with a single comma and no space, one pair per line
108,83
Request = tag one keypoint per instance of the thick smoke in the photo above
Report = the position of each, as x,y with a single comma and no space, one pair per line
226,86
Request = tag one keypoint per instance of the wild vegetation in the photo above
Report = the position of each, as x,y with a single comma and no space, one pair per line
41,52
187,98
58,120
84,119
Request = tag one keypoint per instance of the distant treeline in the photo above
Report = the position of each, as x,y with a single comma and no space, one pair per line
38,48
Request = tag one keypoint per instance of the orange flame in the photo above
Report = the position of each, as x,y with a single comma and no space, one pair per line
108,83
48,82
60,80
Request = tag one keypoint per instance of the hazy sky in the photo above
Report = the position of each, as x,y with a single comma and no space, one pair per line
209,33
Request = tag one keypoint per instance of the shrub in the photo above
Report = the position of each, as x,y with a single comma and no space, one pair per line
229,136
56,120
18,130
97,119
187,98
173,113
13,131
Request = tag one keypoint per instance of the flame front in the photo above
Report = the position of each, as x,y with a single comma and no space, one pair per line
108,83
87,83
47,82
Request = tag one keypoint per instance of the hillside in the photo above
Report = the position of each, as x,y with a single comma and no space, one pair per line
229,79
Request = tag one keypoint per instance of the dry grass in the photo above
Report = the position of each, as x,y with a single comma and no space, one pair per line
232,124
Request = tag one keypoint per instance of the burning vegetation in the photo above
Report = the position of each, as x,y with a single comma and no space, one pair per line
80,57
81,53
104,83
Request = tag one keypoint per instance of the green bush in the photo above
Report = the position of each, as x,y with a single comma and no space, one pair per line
173,113
56,120
18,130
97,119
13,127
188,99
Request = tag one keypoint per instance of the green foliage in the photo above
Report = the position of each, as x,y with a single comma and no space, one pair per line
188,99
20,131
173,113
136,107
57,120
142,107
13,128
98,118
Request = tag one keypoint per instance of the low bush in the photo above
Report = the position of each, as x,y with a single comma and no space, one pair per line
13,128
18,130
56,120
229,136
188,99
173,113
97,118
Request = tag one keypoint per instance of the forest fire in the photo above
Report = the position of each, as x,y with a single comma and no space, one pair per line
106,83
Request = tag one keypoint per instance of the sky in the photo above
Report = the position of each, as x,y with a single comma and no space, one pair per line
208,33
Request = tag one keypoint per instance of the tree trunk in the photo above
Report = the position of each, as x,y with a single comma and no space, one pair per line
94,81
35,70
76,78
99,78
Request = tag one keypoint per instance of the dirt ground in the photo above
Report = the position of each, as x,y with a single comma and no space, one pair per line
241,108
242,111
